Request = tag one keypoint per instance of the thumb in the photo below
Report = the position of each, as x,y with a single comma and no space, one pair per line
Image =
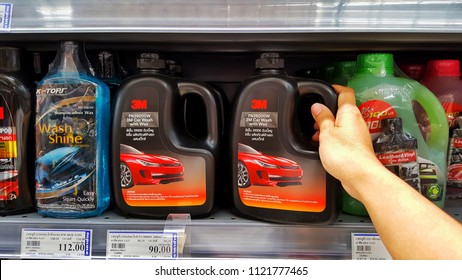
322,115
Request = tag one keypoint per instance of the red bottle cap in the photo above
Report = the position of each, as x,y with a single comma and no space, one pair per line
448,68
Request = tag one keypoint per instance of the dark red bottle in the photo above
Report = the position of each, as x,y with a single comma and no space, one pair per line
15,112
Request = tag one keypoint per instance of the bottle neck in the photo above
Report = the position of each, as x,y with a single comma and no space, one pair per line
68,59
270,72
378,71
151,70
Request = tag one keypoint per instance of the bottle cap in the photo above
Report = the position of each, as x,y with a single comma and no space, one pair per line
173,68
269,61
414,71
9,59
106,68
150,61
375,63
448,68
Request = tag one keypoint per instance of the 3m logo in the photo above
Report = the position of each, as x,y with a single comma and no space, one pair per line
2,114
258,104
139,104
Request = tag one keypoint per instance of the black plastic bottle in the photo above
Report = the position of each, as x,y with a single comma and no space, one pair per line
277,173
195,119
15,112
158,167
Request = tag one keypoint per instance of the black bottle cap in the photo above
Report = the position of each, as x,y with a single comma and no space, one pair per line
269,61
9,59
150,61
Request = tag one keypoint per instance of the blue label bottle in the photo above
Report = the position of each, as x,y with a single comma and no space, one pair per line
72,125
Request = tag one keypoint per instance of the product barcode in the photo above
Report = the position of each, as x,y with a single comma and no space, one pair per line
363,248
33,243
118,246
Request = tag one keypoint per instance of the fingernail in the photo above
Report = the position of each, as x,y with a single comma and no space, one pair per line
316,108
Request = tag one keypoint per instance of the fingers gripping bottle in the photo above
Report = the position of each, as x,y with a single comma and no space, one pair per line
15,112
443,79
380,95
277,173
72,126
158,168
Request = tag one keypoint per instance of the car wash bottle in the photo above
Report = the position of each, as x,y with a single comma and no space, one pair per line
277,173
72,126
15,113
380,95
443,79
158,167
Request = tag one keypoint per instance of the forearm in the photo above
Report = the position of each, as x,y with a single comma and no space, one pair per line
410,225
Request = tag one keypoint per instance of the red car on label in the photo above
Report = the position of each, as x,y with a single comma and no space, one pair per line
138,168
255,168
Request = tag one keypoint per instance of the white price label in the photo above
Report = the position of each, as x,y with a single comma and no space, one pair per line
5,16
368,246
141,245
56,243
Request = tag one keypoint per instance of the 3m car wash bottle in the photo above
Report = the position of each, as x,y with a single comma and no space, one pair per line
158,167
443,79
15,113
72,138
277,173
380,95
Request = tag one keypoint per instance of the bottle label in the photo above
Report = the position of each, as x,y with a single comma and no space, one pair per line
404,164
9,188
373,111
455,159
268,175
453,110
430,175
65,125
151,173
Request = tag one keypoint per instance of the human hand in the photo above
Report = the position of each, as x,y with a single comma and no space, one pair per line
345,145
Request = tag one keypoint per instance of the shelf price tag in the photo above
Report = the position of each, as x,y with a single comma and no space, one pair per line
56,243
6,10
368,246
141,245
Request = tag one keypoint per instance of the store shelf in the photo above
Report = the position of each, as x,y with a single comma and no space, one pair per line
220,235
239,16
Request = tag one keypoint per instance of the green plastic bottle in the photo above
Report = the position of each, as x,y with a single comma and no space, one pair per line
343,72
380,95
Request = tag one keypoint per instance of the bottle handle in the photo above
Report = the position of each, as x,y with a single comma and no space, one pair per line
188,87
328,97
436,115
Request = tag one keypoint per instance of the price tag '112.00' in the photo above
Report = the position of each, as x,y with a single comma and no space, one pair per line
56,243
141,245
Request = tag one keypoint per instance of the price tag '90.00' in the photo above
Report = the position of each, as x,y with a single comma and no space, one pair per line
141,245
